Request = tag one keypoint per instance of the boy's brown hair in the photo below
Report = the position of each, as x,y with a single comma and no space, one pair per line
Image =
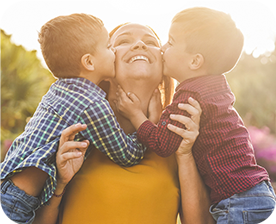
214,35
65,39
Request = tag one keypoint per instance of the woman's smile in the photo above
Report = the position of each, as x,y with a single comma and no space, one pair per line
139,58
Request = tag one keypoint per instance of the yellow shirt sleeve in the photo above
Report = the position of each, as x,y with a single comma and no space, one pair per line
104,192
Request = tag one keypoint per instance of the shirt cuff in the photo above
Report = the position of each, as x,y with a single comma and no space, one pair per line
144,131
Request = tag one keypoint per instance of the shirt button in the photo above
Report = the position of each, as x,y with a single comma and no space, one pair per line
163,123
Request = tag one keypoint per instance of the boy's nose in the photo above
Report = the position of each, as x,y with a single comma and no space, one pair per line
139,45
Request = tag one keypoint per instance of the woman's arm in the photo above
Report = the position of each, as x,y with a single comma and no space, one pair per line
69,160
195,200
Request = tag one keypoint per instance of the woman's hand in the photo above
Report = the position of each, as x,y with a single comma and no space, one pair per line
155,107
70,154
190,134
195,200
69,159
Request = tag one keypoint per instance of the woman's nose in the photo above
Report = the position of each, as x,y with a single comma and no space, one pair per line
139,45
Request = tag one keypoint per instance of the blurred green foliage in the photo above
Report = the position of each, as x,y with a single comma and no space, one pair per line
23,82
253,82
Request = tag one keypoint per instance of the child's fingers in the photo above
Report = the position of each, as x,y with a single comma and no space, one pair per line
132,97
156,95
123,97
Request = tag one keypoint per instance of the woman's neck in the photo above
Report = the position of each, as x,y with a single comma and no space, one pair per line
141,88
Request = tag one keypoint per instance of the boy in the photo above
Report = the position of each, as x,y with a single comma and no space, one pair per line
77,51
203,45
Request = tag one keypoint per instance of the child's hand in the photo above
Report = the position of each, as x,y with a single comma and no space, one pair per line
70,154
128,104
155,107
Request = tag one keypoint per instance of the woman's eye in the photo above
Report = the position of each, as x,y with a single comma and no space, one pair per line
151,43
122,42
109,46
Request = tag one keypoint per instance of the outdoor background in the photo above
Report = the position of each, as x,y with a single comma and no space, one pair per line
25,77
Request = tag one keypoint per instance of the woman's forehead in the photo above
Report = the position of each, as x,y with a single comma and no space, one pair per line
133,29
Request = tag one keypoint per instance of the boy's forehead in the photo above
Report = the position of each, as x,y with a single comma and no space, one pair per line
177,28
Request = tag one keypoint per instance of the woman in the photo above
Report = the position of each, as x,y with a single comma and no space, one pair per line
103,192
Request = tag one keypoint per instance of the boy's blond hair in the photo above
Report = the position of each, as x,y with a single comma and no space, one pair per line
65,39
214,35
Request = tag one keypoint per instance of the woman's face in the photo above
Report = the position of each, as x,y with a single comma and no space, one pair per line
138,54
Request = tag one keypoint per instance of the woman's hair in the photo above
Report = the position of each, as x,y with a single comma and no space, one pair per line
213,34
65,39
166,87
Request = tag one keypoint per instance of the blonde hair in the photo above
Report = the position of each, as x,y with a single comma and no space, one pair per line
65,39
213,34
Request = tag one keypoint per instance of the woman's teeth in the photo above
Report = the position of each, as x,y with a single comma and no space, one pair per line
139,58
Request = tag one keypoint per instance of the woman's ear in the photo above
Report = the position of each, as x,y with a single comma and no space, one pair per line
197,61
87,62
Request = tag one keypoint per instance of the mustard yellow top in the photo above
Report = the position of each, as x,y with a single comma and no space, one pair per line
103,192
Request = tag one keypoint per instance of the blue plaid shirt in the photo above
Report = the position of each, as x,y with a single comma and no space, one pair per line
70,101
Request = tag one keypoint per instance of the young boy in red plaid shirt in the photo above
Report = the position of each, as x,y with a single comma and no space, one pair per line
203,45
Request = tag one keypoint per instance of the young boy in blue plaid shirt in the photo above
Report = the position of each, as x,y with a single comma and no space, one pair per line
77,51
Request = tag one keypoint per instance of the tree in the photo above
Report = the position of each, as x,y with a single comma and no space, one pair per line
253,83
23,82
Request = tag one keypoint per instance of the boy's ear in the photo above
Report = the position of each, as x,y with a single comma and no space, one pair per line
87,62
196,61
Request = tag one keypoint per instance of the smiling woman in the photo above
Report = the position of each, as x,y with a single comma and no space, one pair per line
103,192
133,44
127,195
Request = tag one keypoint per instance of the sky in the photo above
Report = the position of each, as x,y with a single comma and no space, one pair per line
24,18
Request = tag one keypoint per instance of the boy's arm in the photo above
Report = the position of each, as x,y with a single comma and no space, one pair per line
129,106
105,133
31,180
159,138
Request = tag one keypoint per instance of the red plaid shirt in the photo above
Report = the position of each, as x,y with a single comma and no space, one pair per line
223,151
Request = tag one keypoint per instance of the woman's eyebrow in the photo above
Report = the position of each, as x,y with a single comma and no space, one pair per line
122,34
149,35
